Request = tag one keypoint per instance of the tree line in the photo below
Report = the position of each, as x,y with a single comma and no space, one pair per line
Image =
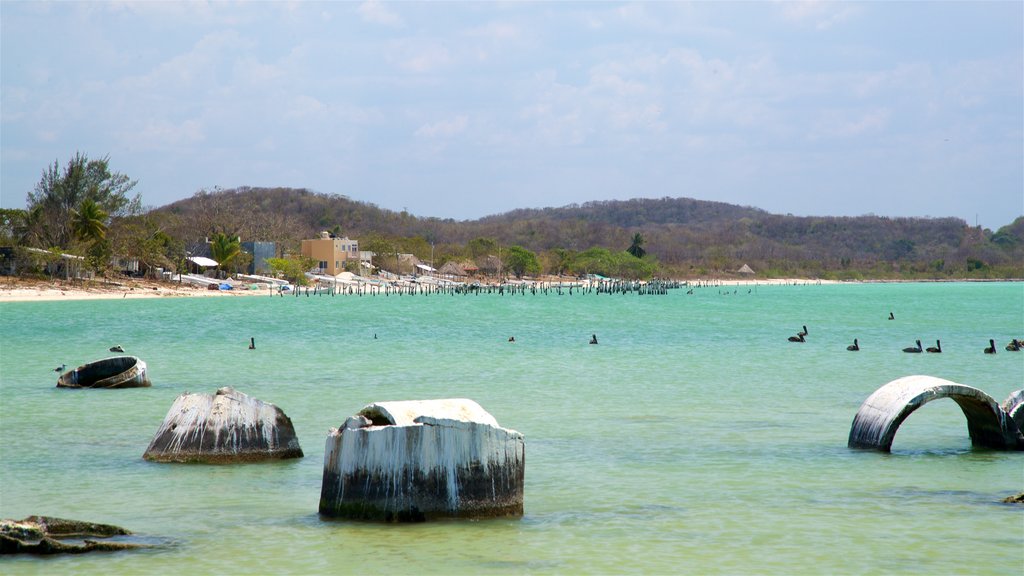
85,208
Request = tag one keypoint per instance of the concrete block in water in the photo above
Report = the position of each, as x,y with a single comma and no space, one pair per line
225,427
418,460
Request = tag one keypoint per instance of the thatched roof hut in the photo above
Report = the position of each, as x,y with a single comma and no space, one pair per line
745,270
452,268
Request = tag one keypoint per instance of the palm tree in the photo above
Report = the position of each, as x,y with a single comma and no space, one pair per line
224,249
636,248
88,222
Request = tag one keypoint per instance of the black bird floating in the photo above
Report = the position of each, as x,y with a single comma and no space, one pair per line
913,350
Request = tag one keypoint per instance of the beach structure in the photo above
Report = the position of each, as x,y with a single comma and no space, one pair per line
331,252
412,461
746,270
224,427
989,424
114,372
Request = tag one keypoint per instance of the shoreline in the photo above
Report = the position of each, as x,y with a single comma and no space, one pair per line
27,290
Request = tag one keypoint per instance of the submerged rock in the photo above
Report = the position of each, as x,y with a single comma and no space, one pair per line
419,460
1015,499
225,427
49,535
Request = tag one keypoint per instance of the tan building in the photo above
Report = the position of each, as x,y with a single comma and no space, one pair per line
331,253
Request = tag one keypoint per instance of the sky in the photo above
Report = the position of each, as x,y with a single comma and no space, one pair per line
462,110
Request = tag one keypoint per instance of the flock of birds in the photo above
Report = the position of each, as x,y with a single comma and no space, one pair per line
60,369
1015,345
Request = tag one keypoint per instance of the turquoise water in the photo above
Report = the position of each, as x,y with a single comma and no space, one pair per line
693,439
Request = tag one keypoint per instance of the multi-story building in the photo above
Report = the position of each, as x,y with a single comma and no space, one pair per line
330,252
260,252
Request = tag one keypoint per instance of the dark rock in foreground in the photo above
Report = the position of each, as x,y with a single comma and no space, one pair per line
419,460
48,535
1015,499
225,427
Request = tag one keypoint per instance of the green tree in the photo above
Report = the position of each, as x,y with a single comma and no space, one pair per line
521,261
13,226
637,247
88,222
224,249
480,247
291,269
61,193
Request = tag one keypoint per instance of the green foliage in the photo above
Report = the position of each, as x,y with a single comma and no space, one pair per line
521,261
224,249
88,223
291,269
13,226
637,247
481,247
61,193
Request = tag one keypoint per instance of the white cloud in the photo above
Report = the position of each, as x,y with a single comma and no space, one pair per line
161,134
444,128
377,13
821,14
420,56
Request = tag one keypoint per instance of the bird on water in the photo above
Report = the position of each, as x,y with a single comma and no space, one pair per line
853,347
60,368
116,348
991,347
937,349
798,338
1014,346
891,317
913,350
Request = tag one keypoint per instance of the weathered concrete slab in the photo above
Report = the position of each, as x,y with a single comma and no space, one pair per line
225,427
49,535
113,372
419,460
879,417
1014,407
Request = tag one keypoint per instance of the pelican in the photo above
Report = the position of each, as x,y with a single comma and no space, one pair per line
798,338
991,347
913,350
593,338
804,333
937,349
116,348
853,347
891,317
60,368
1014,345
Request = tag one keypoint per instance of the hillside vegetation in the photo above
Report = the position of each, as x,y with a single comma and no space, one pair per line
683,237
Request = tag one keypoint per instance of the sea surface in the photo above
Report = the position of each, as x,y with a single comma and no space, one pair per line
693,439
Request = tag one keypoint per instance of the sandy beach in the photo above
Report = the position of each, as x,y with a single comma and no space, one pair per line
28,290
32,290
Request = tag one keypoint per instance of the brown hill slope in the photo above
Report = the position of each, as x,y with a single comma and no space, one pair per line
679,232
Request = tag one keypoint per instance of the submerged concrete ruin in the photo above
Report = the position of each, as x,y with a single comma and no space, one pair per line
114,372
420,460
989,424
225,427
49,535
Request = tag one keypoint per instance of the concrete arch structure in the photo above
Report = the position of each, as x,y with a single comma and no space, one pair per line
880,416
1014,406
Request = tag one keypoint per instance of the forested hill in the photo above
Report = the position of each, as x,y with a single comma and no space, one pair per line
684,234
